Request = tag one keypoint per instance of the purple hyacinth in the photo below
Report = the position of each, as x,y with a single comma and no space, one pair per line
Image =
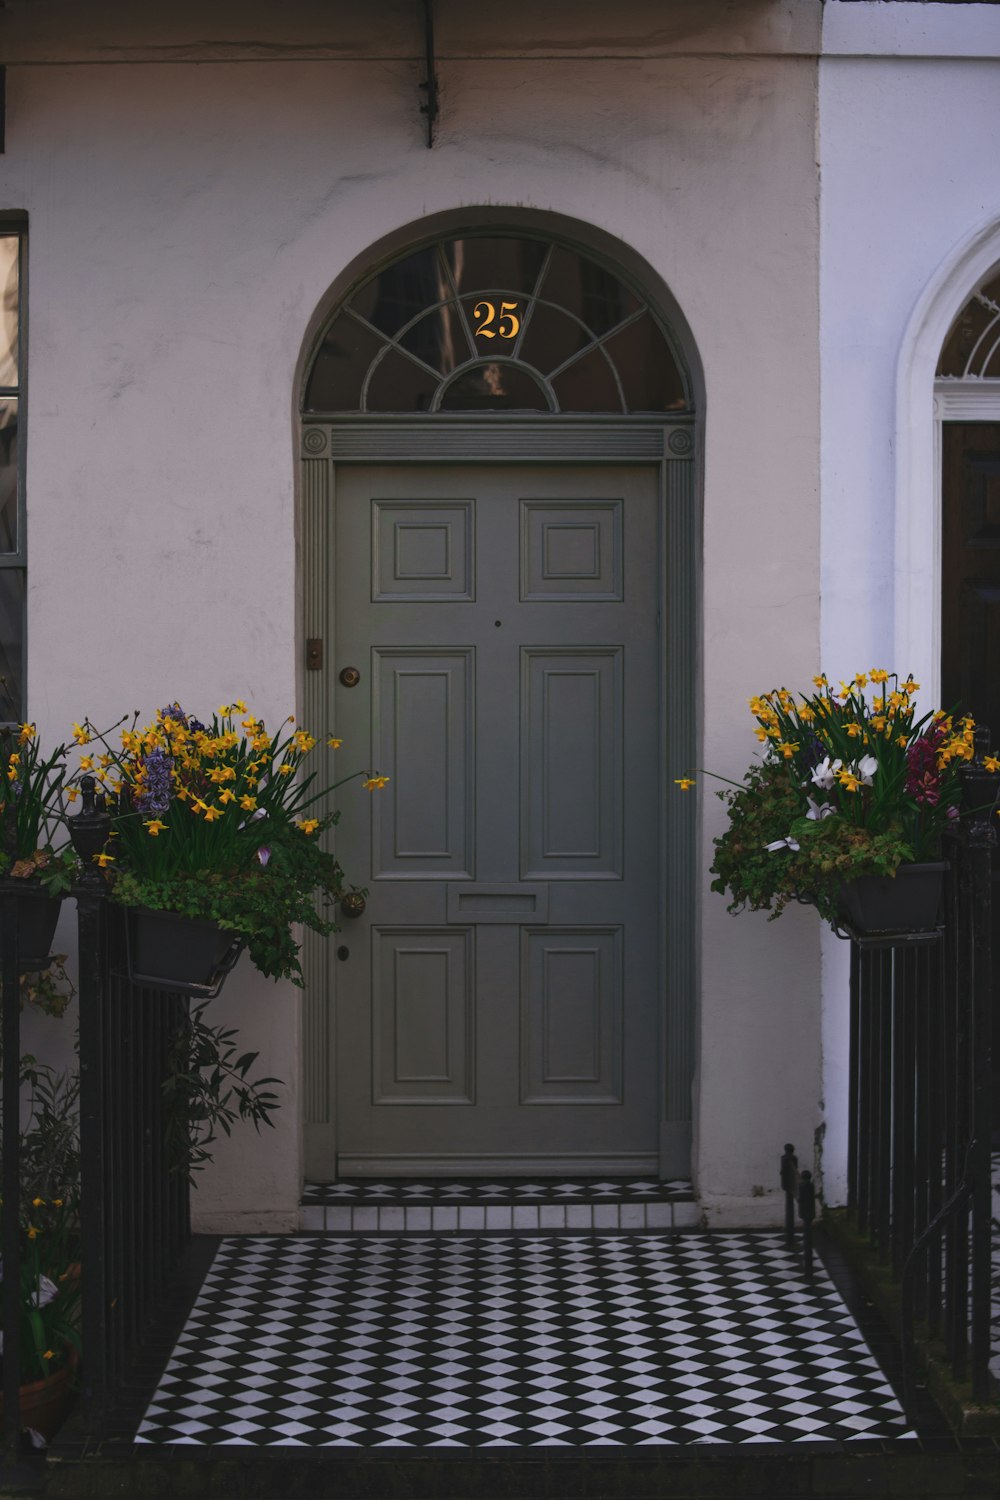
155,798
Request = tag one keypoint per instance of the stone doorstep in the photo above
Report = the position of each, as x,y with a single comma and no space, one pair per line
506,1206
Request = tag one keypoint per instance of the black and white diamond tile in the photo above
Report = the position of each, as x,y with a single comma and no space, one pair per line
480,1341
400,1205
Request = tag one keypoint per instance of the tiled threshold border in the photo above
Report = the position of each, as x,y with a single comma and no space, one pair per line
501,1206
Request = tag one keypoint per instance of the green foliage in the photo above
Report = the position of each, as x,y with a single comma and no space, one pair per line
768,808
261,904
208,1089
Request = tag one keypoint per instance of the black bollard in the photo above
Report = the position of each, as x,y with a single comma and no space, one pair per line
790,1187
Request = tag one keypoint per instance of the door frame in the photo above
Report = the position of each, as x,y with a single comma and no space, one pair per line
670,446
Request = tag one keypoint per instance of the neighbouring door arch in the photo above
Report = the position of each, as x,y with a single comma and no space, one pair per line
634,428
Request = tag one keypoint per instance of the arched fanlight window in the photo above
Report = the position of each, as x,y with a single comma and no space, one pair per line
495,323
972,347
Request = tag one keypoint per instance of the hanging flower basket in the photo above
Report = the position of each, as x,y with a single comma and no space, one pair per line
37,915
167,951
909,901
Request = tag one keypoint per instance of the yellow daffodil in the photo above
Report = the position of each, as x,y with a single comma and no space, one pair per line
38,1202
854,730
72,792
806,713
848,780
248,804
224,710
57,1203
861,679
788,749
992,763
49,1354
376,783
86,762
33,1232
878,675
212,814
684,782
28,732
83,738
303,741
761,734
104,860
154,827
309,825
239,705
285,769
226,796
820,681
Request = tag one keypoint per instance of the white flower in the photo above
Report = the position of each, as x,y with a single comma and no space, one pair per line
819,810
867,766
788,843
825,774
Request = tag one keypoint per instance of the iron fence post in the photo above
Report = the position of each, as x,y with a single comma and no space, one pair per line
11,1141
89,831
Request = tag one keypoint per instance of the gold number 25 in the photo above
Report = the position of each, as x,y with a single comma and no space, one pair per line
507,325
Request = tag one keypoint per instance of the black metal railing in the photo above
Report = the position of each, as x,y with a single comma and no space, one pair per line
134,1202
920,1102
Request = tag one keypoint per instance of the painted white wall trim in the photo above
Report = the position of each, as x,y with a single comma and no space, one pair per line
917,571
870,28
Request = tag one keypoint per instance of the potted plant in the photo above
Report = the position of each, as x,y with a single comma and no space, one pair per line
213,844
39,871
49,1236
847,807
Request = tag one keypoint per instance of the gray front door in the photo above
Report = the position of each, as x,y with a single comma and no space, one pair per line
498,1004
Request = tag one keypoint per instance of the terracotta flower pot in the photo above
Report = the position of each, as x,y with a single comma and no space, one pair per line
45,1403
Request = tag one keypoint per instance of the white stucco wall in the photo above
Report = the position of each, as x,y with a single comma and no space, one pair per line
909,101
185,222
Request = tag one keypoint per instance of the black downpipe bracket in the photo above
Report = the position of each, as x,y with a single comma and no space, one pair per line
430,84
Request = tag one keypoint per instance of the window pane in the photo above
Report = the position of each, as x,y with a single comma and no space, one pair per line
587,385
8,474
341,366
401,291
551,338
650,379
488,263
973,321
11,644
439,339
397,384
495,387
9,330
597,297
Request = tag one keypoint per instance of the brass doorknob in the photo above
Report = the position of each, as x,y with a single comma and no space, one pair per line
350,676
352,904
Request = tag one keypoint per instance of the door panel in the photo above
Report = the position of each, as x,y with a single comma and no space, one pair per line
501,620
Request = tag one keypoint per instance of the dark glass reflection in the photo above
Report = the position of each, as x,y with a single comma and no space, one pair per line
402,290
494,387
488,263
551,338
397,384
10,310
650,378
439,339
587,385
11,645
340,366
8,475
598,298
966,331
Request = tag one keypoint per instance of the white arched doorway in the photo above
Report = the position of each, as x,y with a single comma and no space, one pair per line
498,480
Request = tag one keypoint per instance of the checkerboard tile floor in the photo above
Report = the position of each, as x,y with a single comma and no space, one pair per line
394,1205
483,1341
